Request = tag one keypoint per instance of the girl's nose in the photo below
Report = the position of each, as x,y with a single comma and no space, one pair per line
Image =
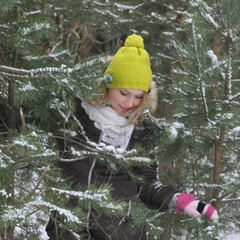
129,102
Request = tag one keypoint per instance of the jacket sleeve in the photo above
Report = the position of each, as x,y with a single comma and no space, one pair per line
153,192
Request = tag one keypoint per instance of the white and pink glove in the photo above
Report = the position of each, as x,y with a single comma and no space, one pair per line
187,203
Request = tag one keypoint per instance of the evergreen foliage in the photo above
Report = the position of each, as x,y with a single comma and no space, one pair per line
52,51
204,97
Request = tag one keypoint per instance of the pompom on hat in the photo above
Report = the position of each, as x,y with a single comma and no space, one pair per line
130,67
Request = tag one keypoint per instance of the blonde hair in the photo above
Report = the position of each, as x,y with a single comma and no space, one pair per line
134,115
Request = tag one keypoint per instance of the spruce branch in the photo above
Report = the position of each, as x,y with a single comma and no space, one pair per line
47,169
184,67
199,70
23,73
13,72
206,17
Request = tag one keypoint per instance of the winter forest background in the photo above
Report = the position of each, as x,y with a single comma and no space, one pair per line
51,51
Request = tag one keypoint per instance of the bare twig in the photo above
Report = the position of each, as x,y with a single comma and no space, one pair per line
22,118
5,147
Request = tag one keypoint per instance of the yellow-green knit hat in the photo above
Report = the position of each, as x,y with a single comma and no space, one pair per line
130,67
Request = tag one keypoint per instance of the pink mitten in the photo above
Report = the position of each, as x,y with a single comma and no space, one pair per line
188,204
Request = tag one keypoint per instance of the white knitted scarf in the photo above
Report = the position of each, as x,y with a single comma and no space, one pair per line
116,130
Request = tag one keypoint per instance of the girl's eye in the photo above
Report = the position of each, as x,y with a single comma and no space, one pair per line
123,93
139,97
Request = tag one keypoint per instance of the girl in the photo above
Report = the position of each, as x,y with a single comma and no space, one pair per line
111,120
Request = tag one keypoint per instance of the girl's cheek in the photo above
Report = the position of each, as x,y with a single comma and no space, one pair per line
138,102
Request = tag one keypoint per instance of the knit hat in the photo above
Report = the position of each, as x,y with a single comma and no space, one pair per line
130,67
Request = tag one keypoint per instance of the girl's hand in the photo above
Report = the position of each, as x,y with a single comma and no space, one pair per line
188,204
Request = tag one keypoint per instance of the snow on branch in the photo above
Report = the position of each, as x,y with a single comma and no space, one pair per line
115,17
36,27
100,195
199,67
18,214
23,73
90,63
120,6
126,7
4,159
51,55
33,73
205,12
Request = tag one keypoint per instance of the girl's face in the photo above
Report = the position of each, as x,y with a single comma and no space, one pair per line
122,99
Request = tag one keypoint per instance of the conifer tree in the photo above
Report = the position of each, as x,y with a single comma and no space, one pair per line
45,62
204,97
33,79
53,51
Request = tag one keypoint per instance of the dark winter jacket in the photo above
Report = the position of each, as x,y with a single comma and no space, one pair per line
152,192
